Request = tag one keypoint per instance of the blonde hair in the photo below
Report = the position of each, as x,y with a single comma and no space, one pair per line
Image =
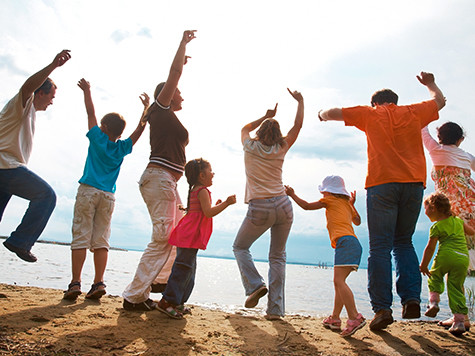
439,202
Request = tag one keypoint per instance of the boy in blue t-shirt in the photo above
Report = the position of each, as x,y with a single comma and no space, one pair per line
95,197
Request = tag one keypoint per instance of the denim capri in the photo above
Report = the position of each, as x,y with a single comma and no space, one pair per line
348,252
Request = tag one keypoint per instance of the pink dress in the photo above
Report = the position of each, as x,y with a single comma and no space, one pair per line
194,229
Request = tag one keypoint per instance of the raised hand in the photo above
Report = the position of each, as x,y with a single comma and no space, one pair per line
296,95
271,112
188,35
426,78
84,85
61,58
145,100
353,197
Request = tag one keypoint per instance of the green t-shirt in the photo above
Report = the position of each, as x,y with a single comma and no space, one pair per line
450,234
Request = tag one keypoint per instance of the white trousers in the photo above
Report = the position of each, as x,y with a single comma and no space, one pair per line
158,189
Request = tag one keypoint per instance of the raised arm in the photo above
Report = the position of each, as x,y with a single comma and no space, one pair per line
210,211
145,99
295,130
335,114
166,95
428,80
248,128
429,143
91,114
37,79
302,203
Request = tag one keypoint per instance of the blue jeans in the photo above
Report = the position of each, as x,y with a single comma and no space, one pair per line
393,210
262,214
182,279
25,184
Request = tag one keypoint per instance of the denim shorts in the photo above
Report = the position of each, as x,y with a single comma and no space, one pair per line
348,252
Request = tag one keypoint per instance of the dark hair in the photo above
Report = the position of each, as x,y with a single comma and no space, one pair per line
449,133
46,86
193,169
269,133
115,123
158,89
440,203
153,107
384,96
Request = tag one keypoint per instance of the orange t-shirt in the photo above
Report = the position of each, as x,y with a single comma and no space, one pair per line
340,216
393,133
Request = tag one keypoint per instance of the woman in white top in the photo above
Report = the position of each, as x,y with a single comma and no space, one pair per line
269,207
452,173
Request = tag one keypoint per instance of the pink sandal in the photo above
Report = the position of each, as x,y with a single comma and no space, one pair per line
330,323
353,325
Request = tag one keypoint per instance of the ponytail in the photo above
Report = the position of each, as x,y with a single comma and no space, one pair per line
193,169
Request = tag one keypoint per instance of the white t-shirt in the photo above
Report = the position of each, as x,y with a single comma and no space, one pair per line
263,169
17,128
447,155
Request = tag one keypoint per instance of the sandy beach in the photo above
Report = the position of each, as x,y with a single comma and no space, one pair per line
36,321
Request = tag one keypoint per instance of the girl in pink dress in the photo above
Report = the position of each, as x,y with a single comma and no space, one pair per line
191,234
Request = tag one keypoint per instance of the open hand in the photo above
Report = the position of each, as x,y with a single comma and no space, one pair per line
426,78
84,85
145,100
62,57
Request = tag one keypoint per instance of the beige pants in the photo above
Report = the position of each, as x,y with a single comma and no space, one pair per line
158,189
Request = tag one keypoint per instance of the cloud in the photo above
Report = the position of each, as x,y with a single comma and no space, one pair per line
7,63
145,32
120,35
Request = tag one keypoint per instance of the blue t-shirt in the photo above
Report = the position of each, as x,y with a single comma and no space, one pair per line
103,161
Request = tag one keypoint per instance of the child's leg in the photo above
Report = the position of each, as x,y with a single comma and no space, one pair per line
100,263
455,288
182,273
78,256
191,282
343,290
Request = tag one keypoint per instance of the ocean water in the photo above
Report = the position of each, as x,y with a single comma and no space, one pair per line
309,289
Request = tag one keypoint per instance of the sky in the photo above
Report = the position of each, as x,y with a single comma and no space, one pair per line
244,57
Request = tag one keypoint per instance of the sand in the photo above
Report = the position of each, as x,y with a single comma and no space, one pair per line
36,321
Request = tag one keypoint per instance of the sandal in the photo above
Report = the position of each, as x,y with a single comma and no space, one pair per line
183,310
167,308
74,290
353,325
333,324
97,291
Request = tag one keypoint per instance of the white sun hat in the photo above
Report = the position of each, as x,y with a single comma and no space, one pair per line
333,184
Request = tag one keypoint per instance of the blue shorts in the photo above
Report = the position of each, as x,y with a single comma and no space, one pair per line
348,252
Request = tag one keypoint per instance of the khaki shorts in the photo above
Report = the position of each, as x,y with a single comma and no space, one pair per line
92,218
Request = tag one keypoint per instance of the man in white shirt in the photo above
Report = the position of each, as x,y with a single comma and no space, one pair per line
17,128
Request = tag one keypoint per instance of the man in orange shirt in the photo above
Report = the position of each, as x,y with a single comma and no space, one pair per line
395,183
